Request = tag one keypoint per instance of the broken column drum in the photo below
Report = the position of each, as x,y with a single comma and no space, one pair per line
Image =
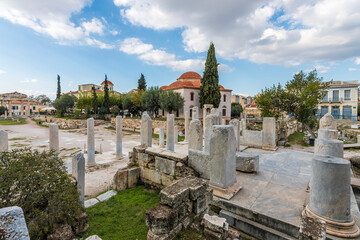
330,196
90,142
196,135
329,147
54,137
146,130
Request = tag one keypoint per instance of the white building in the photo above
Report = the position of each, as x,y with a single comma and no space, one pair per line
188,85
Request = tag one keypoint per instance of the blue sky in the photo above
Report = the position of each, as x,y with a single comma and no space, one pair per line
258,43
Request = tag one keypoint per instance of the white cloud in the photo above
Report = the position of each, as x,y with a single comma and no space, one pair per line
30,92
28,80
305,31
2,71
52,18
357,61
322,69
353,69
147,53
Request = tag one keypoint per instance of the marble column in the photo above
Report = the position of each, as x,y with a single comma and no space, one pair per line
187,126
119,153
146,130
161,138
78,172
195,113
4,142
22,109
90,142
28,109
210,121
10,109
236,124
54,137
170,132
195,135
269,134
176,134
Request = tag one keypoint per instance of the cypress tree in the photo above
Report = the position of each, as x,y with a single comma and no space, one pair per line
209,89
142,83
94,100
106,95
58,92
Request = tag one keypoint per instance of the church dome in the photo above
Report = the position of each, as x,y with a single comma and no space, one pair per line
190,75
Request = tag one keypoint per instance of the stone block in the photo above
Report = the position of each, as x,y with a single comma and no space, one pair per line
151,175
12,224
168,236
165,166
176,194
329,147
120,180
167,180
105,196
215,223
161,219
90,202
211,235
269,133
201,162
251,138
4,143
186,222
178,157
181,171
328,134
328,122
133,177
198,188
144,159
200,205
246,162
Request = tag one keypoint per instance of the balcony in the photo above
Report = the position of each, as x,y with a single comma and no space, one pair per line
335,100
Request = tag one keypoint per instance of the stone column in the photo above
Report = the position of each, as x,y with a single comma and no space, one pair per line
223,162
236,124
10,108
161,138
330,196
146,130
223,121
28,109
78,172
4,143
176,134
269,134
186,126
358,138
22,109
328,134
196,135
5,114
210,121
242,125
329,147
170,132
195,113
54,137
90,142
119,153
328,122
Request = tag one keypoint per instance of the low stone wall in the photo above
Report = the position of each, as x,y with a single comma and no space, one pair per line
159,167
68,123
252,138
135,124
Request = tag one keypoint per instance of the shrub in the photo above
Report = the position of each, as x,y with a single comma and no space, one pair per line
38,183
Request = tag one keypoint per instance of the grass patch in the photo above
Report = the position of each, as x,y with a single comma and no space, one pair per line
190,234
13,122
122,216
15,139
297,138
180,138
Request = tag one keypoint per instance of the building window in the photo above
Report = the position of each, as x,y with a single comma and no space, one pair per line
33,107
335,112
347,112
237,99
224,111
324,110
335,96
191,96
347,95
224,98
325,98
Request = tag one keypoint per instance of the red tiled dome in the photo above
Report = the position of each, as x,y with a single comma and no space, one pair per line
190,75
109,83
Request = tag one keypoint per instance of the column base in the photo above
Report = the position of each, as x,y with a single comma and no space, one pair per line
226,193
90,164
338,229
269,148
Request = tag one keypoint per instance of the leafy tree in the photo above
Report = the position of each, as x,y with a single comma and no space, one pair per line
94,100
236,109
209,89
127,104
58,91
300,96
115,110
171,101
2,110
151,99
64,103
142,83
43,99
84,101
106,96
38,183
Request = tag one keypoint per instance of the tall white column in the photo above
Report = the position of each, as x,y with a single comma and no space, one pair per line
170,132
54,137
119,137
90,142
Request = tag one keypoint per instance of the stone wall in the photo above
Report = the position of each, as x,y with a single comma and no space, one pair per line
135,124
252,138
68,123
159,167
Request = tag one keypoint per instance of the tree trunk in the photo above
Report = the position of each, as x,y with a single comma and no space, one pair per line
310,130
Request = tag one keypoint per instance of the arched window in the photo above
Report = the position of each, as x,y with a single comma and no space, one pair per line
191,96
224,96
191,111
224,110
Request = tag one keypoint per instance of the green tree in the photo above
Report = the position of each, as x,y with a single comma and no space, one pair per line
43,99
236,109
151,99
58,91
171,101
2,110
271,101
209,89
106,96
84,101
94,100
127,104
142,83
64,103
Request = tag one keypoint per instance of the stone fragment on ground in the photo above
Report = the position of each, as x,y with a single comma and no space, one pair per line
90,202
106,196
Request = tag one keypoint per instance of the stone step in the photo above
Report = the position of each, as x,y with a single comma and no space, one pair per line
253,228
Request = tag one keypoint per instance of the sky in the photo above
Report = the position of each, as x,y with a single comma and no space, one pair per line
258,43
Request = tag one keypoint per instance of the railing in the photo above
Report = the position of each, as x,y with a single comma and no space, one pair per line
333,100
340,117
